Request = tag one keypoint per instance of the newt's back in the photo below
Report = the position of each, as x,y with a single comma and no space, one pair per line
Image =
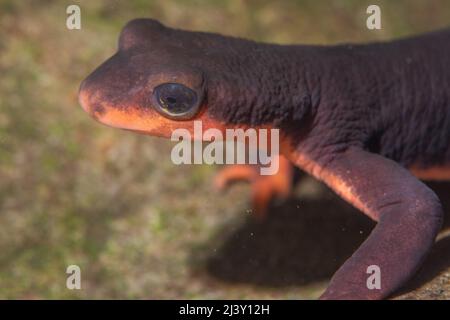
412,77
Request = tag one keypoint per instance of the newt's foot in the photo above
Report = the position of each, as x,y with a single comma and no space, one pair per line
265,188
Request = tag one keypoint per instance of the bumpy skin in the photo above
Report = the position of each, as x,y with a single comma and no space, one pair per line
354,116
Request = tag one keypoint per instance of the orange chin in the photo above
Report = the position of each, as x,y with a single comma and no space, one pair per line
143,121
151,123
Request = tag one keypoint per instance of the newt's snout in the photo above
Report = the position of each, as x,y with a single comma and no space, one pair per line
88,102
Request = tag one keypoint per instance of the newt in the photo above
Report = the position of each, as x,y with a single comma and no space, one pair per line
369,120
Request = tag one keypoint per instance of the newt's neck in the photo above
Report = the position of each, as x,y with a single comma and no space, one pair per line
271,85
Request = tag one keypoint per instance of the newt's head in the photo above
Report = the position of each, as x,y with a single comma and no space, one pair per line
161,79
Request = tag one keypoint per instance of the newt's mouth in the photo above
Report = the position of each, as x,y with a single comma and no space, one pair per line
128,118
123,118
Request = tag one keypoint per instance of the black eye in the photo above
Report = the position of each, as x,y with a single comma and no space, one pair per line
176,101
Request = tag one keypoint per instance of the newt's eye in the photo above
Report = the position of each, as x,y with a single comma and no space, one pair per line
176,101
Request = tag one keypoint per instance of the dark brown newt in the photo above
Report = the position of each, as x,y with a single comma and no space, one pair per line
366,119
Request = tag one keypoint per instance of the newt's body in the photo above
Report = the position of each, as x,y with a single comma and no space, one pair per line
365,119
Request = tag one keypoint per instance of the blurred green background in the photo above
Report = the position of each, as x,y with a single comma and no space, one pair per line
75,192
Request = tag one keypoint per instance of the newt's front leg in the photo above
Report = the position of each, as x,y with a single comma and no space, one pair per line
264,187
408,213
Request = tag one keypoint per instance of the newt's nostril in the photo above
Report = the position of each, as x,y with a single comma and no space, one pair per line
97,109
